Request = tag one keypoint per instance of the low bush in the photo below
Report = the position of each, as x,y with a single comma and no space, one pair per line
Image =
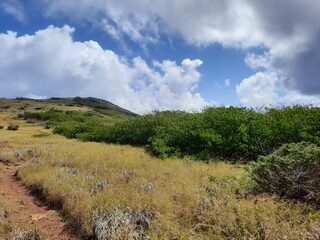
292,172
121,224
13,127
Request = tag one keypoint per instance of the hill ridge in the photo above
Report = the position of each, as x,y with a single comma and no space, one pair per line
91,102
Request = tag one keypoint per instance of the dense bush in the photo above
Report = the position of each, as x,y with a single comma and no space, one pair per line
229,133
134,131
175,134
292,171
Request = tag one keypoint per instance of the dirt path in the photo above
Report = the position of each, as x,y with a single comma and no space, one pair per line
28,208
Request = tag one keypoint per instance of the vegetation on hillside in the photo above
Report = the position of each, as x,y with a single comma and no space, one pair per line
228,133
120,192
71,124
232,133
101,106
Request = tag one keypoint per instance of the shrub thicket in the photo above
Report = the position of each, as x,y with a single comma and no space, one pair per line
232,133
71,124
292,171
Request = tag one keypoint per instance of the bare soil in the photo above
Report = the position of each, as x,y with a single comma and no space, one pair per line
30,211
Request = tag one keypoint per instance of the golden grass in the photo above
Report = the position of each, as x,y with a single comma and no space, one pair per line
190,200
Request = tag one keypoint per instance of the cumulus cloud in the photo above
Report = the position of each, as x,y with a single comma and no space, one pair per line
258,90
50,63
286,30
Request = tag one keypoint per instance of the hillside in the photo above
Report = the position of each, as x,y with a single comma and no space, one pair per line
100,105
90,190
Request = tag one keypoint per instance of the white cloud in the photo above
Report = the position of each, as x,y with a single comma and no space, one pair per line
294,97
264,88
14,8
198,22
258,90
255,61
227,82
112,30
50,63
34,96
285,29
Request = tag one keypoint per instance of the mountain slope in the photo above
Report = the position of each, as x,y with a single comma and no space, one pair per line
99,105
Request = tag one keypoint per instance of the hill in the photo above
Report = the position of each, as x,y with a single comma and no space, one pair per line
109,191
99,105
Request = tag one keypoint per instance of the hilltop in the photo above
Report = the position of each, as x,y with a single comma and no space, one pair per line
99,105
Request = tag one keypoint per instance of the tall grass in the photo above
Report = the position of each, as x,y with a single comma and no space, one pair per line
187,199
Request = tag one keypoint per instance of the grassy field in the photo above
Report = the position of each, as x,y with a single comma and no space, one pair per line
121,192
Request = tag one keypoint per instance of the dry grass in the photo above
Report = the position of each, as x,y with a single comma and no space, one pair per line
184,199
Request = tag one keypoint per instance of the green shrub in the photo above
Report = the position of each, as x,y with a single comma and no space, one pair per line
1,127
231,133
13,127
292,172
238,134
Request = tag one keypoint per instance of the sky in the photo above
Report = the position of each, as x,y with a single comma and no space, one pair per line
148,55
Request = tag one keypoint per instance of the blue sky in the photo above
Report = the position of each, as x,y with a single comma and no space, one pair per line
145,55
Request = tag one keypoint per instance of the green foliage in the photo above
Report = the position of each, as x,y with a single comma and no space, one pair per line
232,133
229,133
134,131
71,124
292,171
231,125
53,116
180,134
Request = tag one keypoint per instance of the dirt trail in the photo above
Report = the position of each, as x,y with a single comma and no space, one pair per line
30,209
